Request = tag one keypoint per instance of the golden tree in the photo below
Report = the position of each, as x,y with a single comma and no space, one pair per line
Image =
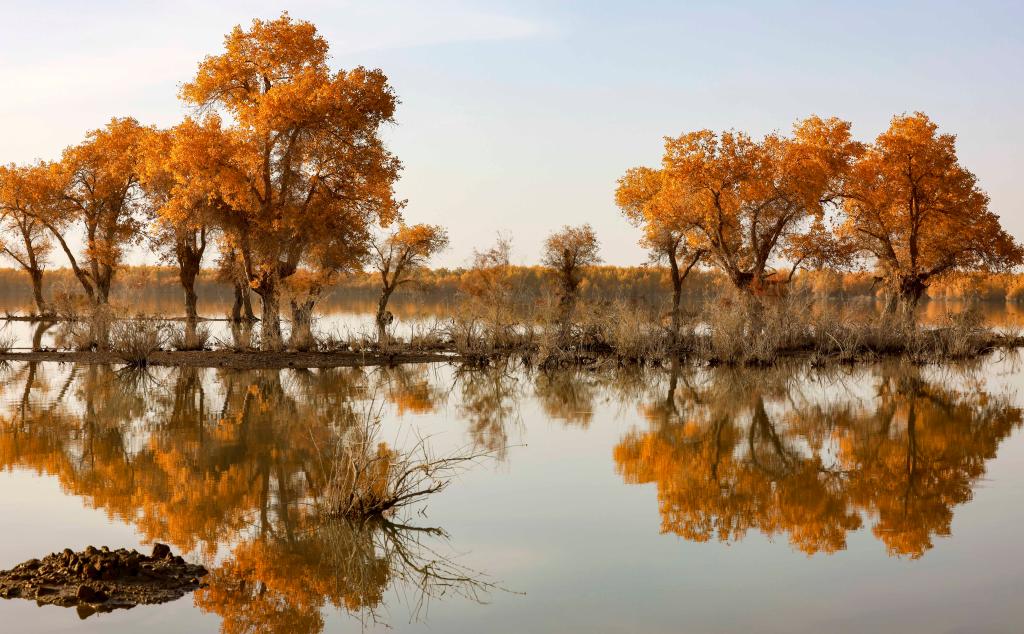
24,199
647,199
181,207
746,202
397,256
918,213
99,197
302,170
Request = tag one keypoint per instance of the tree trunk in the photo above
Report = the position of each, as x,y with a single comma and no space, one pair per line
904,295
236,308
566,309
37,336
247,304
677,295
103,283
302,325
187,273
270,326
910,292
384,318
37,290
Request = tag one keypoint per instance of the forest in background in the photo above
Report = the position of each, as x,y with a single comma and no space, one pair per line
604,282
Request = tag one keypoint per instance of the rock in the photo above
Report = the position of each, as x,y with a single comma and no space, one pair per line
88,594
129,578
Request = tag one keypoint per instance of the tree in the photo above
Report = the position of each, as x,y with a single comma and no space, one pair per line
746,202
646,198
97,183
24,200
918,213
397,256
180,208
568,252
490,286
302,170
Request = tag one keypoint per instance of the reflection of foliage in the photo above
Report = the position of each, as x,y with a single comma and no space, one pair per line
409,388
211,460
488,400
566,394
731,458
282,585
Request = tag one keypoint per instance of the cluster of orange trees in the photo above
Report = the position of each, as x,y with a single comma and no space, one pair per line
817,198
281,166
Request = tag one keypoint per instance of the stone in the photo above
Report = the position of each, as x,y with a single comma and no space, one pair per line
88,594
129,578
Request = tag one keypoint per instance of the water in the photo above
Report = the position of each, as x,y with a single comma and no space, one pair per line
883,498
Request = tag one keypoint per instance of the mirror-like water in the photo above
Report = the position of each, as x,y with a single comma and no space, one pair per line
879,498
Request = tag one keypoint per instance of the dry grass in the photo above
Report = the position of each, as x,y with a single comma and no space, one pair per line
89,332
135,340
180,338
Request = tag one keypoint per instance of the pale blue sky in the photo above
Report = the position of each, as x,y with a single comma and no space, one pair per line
519,116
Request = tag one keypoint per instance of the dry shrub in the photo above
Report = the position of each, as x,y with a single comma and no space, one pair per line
630,331
89,333
963,335
6,344
368,478
430,337
757,330
68,305
135,340
184,338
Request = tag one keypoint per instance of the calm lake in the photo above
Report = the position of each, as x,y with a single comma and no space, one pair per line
880,498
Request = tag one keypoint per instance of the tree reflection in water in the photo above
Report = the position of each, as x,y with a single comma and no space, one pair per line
231,466
741,449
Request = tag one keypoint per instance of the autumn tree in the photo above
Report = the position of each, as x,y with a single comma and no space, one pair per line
490,287
24,200
397,256
302,169
97,183
568,252
646,198
918,213
181,210
747,201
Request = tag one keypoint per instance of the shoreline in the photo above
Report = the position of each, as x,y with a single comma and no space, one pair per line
235,360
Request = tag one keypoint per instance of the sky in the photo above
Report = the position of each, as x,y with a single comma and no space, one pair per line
518,117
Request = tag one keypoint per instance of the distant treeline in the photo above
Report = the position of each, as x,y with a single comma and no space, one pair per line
600,282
